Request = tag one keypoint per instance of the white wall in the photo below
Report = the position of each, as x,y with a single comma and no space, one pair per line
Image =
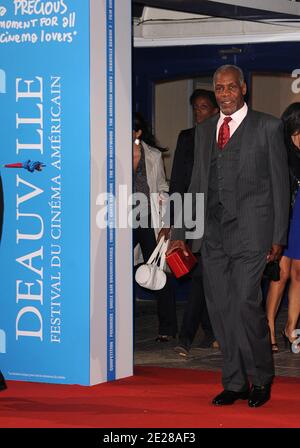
172,114
272,93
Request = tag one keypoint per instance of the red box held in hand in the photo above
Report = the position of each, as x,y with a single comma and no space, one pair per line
179,263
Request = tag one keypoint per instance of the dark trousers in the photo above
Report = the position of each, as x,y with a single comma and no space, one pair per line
166,304
196,310
232,284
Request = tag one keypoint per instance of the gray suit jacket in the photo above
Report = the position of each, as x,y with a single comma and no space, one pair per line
262,188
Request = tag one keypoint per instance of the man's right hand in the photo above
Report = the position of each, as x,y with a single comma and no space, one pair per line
275,252
177,244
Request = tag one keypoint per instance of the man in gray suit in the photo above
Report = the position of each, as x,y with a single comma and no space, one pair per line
241,167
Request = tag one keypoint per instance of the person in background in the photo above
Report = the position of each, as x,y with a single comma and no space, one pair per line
241,168
204,106
149,178
290,261
3,385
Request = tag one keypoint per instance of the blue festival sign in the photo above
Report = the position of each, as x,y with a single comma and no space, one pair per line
47,289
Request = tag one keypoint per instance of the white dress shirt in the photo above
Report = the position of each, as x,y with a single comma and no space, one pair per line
237,118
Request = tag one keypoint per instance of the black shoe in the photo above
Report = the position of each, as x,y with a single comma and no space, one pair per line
207,341
259,395
229,397
3,385
164,338
182,350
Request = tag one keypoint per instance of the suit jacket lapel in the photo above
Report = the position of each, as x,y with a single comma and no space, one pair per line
207,145
247,136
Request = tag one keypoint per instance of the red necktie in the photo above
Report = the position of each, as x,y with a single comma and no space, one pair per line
224,133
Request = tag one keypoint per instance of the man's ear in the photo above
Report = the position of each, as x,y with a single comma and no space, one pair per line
138,133
244,88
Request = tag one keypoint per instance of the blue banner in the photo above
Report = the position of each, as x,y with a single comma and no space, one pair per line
45,170
111,188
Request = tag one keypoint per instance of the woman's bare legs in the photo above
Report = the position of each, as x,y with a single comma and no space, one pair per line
275,294
294,300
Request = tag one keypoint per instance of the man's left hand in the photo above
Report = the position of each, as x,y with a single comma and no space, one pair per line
164,232
275,252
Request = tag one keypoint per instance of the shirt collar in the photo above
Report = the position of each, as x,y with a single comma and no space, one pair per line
237,116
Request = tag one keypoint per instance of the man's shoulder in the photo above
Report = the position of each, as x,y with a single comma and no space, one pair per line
186,133
263,117
210,122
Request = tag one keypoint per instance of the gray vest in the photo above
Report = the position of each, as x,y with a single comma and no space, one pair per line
221,202
223,175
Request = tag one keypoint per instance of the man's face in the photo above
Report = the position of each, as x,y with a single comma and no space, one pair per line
203,109
229,92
